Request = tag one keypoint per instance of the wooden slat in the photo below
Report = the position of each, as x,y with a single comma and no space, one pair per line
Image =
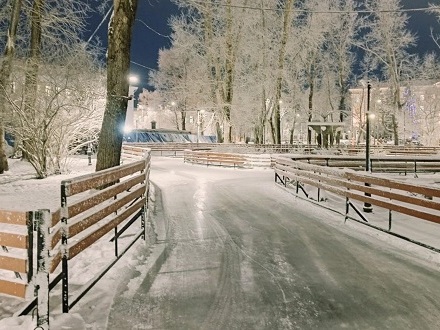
55,262
101,178
15,289
14,240
428,191
56,217
56,237
97,234
13,217
214,158
91,201
100,214
14,264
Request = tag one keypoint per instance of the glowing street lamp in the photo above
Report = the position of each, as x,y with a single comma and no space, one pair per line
133,79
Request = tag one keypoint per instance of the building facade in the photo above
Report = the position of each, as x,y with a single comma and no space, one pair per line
418,117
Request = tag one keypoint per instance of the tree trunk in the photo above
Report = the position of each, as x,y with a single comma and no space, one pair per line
37,157
395,129
311,91
276,124
5,73
118,66
212,67
183,119
219,132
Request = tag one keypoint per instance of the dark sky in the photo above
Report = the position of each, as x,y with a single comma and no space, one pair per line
146,43
421,23
155,13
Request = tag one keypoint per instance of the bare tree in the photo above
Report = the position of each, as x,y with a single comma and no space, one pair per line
70,110
386,41
5,73
341,39
219,28
52,39
181,78
428,116
287,22
118,65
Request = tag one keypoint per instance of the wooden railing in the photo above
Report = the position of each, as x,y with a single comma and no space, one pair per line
106,199
421,202
176,149
396,164
133,152
214,158
91,206
163,149
16,240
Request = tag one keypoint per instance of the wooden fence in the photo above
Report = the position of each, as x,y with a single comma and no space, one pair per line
392,164
16,262
91,206
163,149
421,202
107,199
132,152
298,148
214,158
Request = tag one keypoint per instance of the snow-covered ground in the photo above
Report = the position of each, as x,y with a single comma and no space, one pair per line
20,191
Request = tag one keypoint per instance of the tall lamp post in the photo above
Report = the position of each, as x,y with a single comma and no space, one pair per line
133,82
367,206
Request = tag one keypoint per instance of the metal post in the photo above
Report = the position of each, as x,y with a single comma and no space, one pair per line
389,220
198,126
367,131
30,250
42,279
89,154
367,206
64,260
116,241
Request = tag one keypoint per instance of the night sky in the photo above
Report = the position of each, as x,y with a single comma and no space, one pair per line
155,13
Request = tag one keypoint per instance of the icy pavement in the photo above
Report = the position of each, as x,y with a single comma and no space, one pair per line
247,255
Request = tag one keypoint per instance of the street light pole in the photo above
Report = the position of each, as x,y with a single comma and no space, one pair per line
367,130
198,126
367,206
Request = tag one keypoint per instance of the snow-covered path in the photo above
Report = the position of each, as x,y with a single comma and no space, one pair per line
247,255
